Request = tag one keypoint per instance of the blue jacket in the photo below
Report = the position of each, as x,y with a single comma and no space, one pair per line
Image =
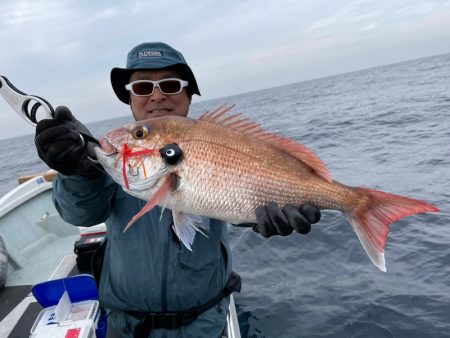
147,268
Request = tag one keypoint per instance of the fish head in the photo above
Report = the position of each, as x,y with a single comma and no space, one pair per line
131,156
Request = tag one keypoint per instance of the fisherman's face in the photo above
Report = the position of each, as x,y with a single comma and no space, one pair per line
158,104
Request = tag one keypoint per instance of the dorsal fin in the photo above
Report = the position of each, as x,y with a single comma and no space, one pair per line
254,130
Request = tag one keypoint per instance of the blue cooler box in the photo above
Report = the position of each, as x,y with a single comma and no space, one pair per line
85,315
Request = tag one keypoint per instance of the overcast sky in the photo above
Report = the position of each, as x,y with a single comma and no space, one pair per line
64,50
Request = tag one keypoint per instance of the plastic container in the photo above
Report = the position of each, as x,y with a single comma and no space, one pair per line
74,314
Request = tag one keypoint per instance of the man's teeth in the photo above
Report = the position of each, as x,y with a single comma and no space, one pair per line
163,110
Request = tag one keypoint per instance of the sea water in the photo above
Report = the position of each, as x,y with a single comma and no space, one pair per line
387,128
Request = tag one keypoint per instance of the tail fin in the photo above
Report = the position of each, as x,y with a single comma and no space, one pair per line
371,220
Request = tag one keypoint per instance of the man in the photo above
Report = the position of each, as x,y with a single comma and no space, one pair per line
146,269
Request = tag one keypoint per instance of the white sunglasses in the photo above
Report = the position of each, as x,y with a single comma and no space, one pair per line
166,86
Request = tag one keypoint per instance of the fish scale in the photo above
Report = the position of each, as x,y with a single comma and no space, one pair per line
230,182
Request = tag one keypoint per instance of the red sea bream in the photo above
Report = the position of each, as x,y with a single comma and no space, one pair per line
229,167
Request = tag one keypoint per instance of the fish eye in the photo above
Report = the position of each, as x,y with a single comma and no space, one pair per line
170,152
139,132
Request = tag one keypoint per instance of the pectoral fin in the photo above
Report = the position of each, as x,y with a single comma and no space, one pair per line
186,226
157,198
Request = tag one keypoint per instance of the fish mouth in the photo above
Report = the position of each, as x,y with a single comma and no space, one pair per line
107,147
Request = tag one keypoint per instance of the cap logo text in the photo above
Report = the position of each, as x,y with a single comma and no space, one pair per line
150,53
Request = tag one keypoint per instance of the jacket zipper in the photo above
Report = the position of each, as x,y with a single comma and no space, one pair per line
165,270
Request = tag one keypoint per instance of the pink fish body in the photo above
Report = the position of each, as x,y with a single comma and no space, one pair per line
229,167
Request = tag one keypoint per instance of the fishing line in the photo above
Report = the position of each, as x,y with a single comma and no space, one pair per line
127,153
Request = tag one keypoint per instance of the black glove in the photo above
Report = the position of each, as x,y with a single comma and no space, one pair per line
64,144
272,220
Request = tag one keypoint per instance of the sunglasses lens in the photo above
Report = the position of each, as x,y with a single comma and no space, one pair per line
170,86
143,88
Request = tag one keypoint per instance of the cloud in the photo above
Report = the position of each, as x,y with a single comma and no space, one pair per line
20,13
249,22
64,50
105,14
36,29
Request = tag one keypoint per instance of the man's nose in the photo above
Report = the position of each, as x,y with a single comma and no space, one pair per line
157,95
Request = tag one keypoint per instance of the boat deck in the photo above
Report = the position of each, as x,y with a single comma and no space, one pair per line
19,309
37,240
